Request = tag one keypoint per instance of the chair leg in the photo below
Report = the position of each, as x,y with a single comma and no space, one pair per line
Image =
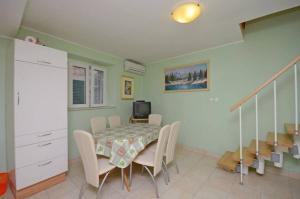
82,189
176,167
166,169
101,185
130,174
154,181
166,179
122,176
142,170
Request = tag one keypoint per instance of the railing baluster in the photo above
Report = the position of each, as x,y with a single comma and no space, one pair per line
241,146
256,125
296,101
275,114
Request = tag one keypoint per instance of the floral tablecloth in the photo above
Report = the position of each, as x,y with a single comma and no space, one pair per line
122,144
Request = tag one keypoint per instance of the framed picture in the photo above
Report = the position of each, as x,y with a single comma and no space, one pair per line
191,77
127,87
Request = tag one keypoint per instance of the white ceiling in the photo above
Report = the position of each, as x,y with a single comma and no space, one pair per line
11,14
142,29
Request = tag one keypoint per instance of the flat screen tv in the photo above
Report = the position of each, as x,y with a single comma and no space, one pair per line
141,109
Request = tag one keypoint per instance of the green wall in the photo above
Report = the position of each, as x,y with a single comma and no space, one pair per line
236,70
77,119
3,52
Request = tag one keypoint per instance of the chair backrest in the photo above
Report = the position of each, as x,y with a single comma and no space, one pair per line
160,149
114,121
98,124
155,119
171,144
86,146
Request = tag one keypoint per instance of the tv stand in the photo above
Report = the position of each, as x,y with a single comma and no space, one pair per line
138,120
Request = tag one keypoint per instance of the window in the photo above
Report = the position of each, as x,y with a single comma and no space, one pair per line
97,97
87,85
79,82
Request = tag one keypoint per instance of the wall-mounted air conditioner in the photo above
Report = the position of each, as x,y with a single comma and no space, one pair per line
134,67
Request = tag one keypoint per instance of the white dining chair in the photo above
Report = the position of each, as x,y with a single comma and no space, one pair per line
171,147
93,167
98,124
114,121
155,119
169,155
149,158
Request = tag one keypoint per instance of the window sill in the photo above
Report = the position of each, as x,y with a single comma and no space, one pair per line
91,108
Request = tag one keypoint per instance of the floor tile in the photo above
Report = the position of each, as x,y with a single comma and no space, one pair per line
211,192
198,178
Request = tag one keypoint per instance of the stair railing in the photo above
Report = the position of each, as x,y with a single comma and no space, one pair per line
241,145
241,102
296,100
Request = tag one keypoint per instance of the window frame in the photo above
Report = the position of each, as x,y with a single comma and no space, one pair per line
98,68
89,92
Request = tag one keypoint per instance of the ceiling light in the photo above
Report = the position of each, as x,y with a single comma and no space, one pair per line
186,12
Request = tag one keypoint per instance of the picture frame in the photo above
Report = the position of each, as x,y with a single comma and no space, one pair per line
187,78
127,88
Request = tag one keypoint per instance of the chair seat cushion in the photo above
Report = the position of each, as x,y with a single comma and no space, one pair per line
146,157
152,146
104,166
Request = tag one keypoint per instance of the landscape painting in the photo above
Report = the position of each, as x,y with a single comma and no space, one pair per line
192,77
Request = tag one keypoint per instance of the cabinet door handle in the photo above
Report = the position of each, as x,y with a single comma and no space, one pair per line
41,165
18,94
43,62
44,135
42,145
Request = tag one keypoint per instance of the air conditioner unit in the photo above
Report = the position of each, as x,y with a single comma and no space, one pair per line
134,67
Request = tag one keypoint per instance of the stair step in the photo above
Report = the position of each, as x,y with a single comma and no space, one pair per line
290,128
265,150
284,140
248,157
227,163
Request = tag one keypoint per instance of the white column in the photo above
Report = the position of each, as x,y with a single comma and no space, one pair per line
275,114
296,101
241,146
277,150
256,126
296,135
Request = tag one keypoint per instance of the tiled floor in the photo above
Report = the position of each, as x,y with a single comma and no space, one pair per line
199,178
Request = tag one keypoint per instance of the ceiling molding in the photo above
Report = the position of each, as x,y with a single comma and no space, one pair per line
195,52
6,37
71,42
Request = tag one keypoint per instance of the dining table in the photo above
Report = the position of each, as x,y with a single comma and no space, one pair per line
122,144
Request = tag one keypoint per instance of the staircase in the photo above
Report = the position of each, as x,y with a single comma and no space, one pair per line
275,144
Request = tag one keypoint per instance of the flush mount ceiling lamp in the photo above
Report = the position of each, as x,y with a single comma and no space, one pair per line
186,12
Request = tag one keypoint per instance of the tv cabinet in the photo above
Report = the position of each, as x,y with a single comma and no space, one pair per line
138,120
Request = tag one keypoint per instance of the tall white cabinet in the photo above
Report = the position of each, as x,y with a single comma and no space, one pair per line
37,140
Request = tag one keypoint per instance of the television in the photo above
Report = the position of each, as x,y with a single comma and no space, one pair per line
141,109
